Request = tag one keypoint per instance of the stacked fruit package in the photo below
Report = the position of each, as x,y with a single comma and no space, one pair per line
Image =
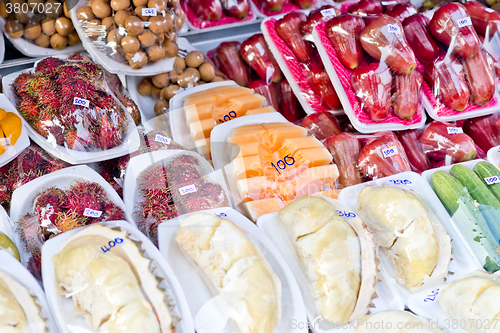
70,104
136,33
462,81
43,23
202,14
290,41
265,8
373,66
251,64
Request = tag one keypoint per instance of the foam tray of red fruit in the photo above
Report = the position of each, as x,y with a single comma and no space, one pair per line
22,142
208,14
267,8
300,64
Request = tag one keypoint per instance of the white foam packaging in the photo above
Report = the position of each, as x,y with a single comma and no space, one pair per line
208,316
22,143
274,228
130,144
463,261
64,308
16,271
493,156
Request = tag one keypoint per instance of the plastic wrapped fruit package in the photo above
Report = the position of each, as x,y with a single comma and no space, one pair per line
189,71
57,210
321,125
266,8
375,68
208,108
275,163
211,13
135,33
289,39
172,187
71,105
43,23
32,163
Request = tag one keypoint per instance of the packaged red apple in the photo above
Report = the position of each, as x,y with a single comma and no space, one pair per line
71,110
373,69
136,33
203,14
266,8
300,61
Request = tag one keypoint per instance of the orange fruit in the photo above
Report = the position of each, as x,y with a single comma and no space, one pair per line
11,126
3,114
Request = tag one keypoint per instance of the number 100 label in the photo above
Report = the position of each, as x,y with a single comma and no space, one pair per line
391,151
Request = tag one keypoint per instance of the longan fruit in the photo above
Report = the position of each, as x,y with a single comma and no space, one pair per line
32,30
54,10
187,79
73,38
138,59
172,3
101,8
49,26
64,26
108,22
138,12
194,59
34,4
14,29
217,79
169,92
3,10
85,13
134,26
179,64
161,107
147,38
120,4
155,92
155,53
130,44
43,41
173,75
171,49
160,24
22,17
66,10
58,42
144,87
160,5
160,80
207,72
92,28
139,3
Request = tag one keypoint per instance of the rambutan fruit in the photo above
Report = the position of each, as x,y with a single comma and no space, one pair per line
80,188
153,182
92,71
213,192
80,203
131,107
49,66
108,135
48,203
50,98
193,204
69,220
73,141
20,84
24,178
28,107
67,71
80,56
180,175
55,135
39,82
72,87
113,213
154,145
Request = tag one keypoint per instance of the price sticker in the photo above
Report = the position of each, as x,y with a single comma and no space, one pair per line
111,244
394,29
162,139
92,213
466,21
400,181
492,180
149,12
187,189
221,215
389,3
432,296
391,151
328,12
454,130
81,101
345,214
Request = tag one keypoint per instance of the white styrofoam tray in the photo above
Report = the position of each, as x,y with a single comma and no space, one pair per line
494,156
273,227
22,143
208,317
130,144
64,308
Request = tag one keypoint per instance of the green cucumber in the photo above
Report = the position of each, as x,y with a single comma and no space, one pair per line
468,218
486,170
489,205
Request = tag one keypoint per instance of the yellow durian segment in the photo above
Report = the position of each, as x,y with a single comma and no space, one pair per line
12,316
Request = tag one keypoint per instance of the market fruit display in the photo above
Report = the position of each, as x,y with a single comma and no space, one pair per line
341,273
162,191
43,23
414,240
345,149
400,321
19,309
223,252
10,129
114,289
57,210
56,99
192,70
477,292
132,33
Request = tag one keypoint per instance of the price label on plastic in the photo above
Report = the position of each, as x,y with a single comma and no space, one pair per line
454,130
81,101
394,29
489,10
149,12
92,213
162,139
187,189
492,180
432,296
328,12
389,3
466,21
391,151
400,181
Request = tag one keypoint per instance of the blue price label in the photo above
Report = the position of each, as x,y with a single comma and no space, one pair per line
287,160
391,151
394,29
187,189
492,180
81,102
221,215
149,12
92,213
432,296
162,139
228,117
345,214
464,22
111,244
400,181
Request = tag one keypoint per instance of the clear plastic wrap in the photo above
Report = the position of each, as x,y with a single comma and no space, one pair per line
123,282
203,14
265,8
321,125
380,91
345,149
136,33
57,203
414,149
32,163
174,185
42,23
299,60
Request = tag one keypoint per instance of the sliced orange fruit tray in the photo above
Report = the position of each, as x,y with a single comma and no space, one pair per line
10,129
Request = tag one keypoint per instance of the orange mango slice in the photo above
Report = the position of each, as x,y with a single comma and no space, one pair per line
217,95
255,209
264,109
201,129
3,114
11,126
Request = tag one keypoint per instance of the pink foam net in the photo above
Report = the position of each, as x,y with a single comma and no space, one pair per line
345,75
298,69
287,8
203,24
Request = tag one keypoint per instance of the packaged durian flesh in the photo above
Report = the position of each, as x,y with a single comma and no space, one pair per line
473,299
394,321
336,256
20,309
411,236
112,284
